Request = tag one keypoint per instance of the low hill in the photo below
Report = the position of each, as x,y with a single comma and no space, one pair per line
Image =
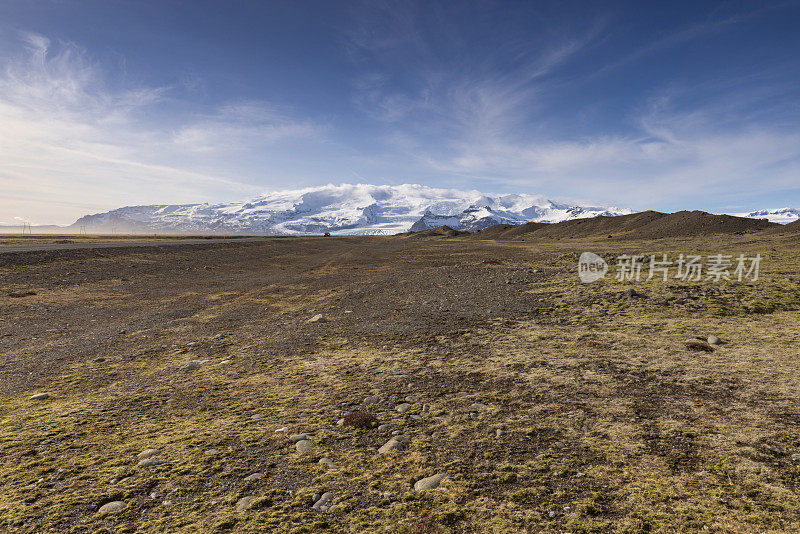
643,225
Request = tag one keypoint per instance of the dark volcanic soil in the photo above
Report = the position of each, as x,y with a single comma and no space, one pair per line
550,405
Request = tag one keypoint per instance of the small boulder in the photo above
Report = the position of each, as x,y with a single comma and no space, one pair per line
429,483
304,445
40,396
113,506
150,462
244,503
253,477
298,437
324,501
148,453
403,408
714,340
318,318
397,443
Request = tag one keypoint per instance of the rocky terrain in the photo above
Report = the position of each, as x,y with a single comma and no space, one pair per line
431,382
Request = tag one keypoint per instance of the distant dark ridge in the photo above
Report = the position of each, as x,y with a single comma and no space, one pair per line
643,225
441,231
792,228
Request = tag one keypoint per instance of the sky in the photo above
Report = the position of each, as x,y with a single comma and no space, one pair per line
641,104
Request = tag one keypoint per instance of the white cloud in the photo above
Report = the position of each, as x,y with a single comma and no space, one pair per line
73,142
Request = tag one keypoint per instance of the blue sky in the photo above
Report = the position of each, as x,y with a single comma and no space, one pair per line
662,105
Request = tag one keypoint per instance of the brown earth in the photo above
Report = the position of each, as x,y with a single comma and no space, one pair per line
552,406
643,225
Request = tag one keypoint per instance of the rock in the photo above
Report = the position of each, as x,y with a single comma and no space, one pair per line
384,427
326,462
304,445
254,476
40,396
244,503
148,453
191,366
397,443
478,407
322,504
403,408
113,506
150,462
281,429
796,457
429,483
370,400
256,417
99,360
315,497
630,292
318,318
714,340
426,408
499,432
298,437
211,452
411,398
416,417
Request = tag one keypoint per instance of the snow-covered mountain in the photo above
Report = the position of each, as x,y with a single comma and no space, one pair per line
779,215
343,209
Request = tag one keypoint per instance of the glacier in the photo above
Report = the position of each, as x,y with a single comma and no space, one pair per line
354,209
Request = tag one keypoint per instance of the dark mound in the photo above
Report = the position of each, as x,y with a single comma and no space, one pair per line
643,225
792,228
442,231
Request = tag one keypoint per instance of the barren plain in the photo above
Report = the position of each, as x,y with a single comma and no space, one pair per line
547,404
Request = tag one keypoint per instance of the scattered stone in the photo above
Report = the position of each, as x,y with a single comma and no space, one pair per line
40,396
298,437
304,445
416,417
478,407
499,432
244,503
429,483
370,400
254,476
397,443
150,462
796,457
318,318
403,408
411,398
148,453
282,429
113,506
326,462
631,293
552,514
167,503
315,497
256,417
99,360
426,408
714,340
191,366
384,427
211,452
323,503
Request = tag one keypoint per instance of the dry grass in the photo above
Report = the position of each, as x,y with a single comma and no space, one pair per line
607,422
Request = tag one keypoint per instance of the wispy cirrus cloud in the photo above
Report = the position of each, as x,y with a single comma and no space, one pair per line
728,138
73,142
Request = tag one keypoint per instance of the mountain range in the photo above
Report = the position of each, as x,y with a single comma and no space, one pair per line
358,209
